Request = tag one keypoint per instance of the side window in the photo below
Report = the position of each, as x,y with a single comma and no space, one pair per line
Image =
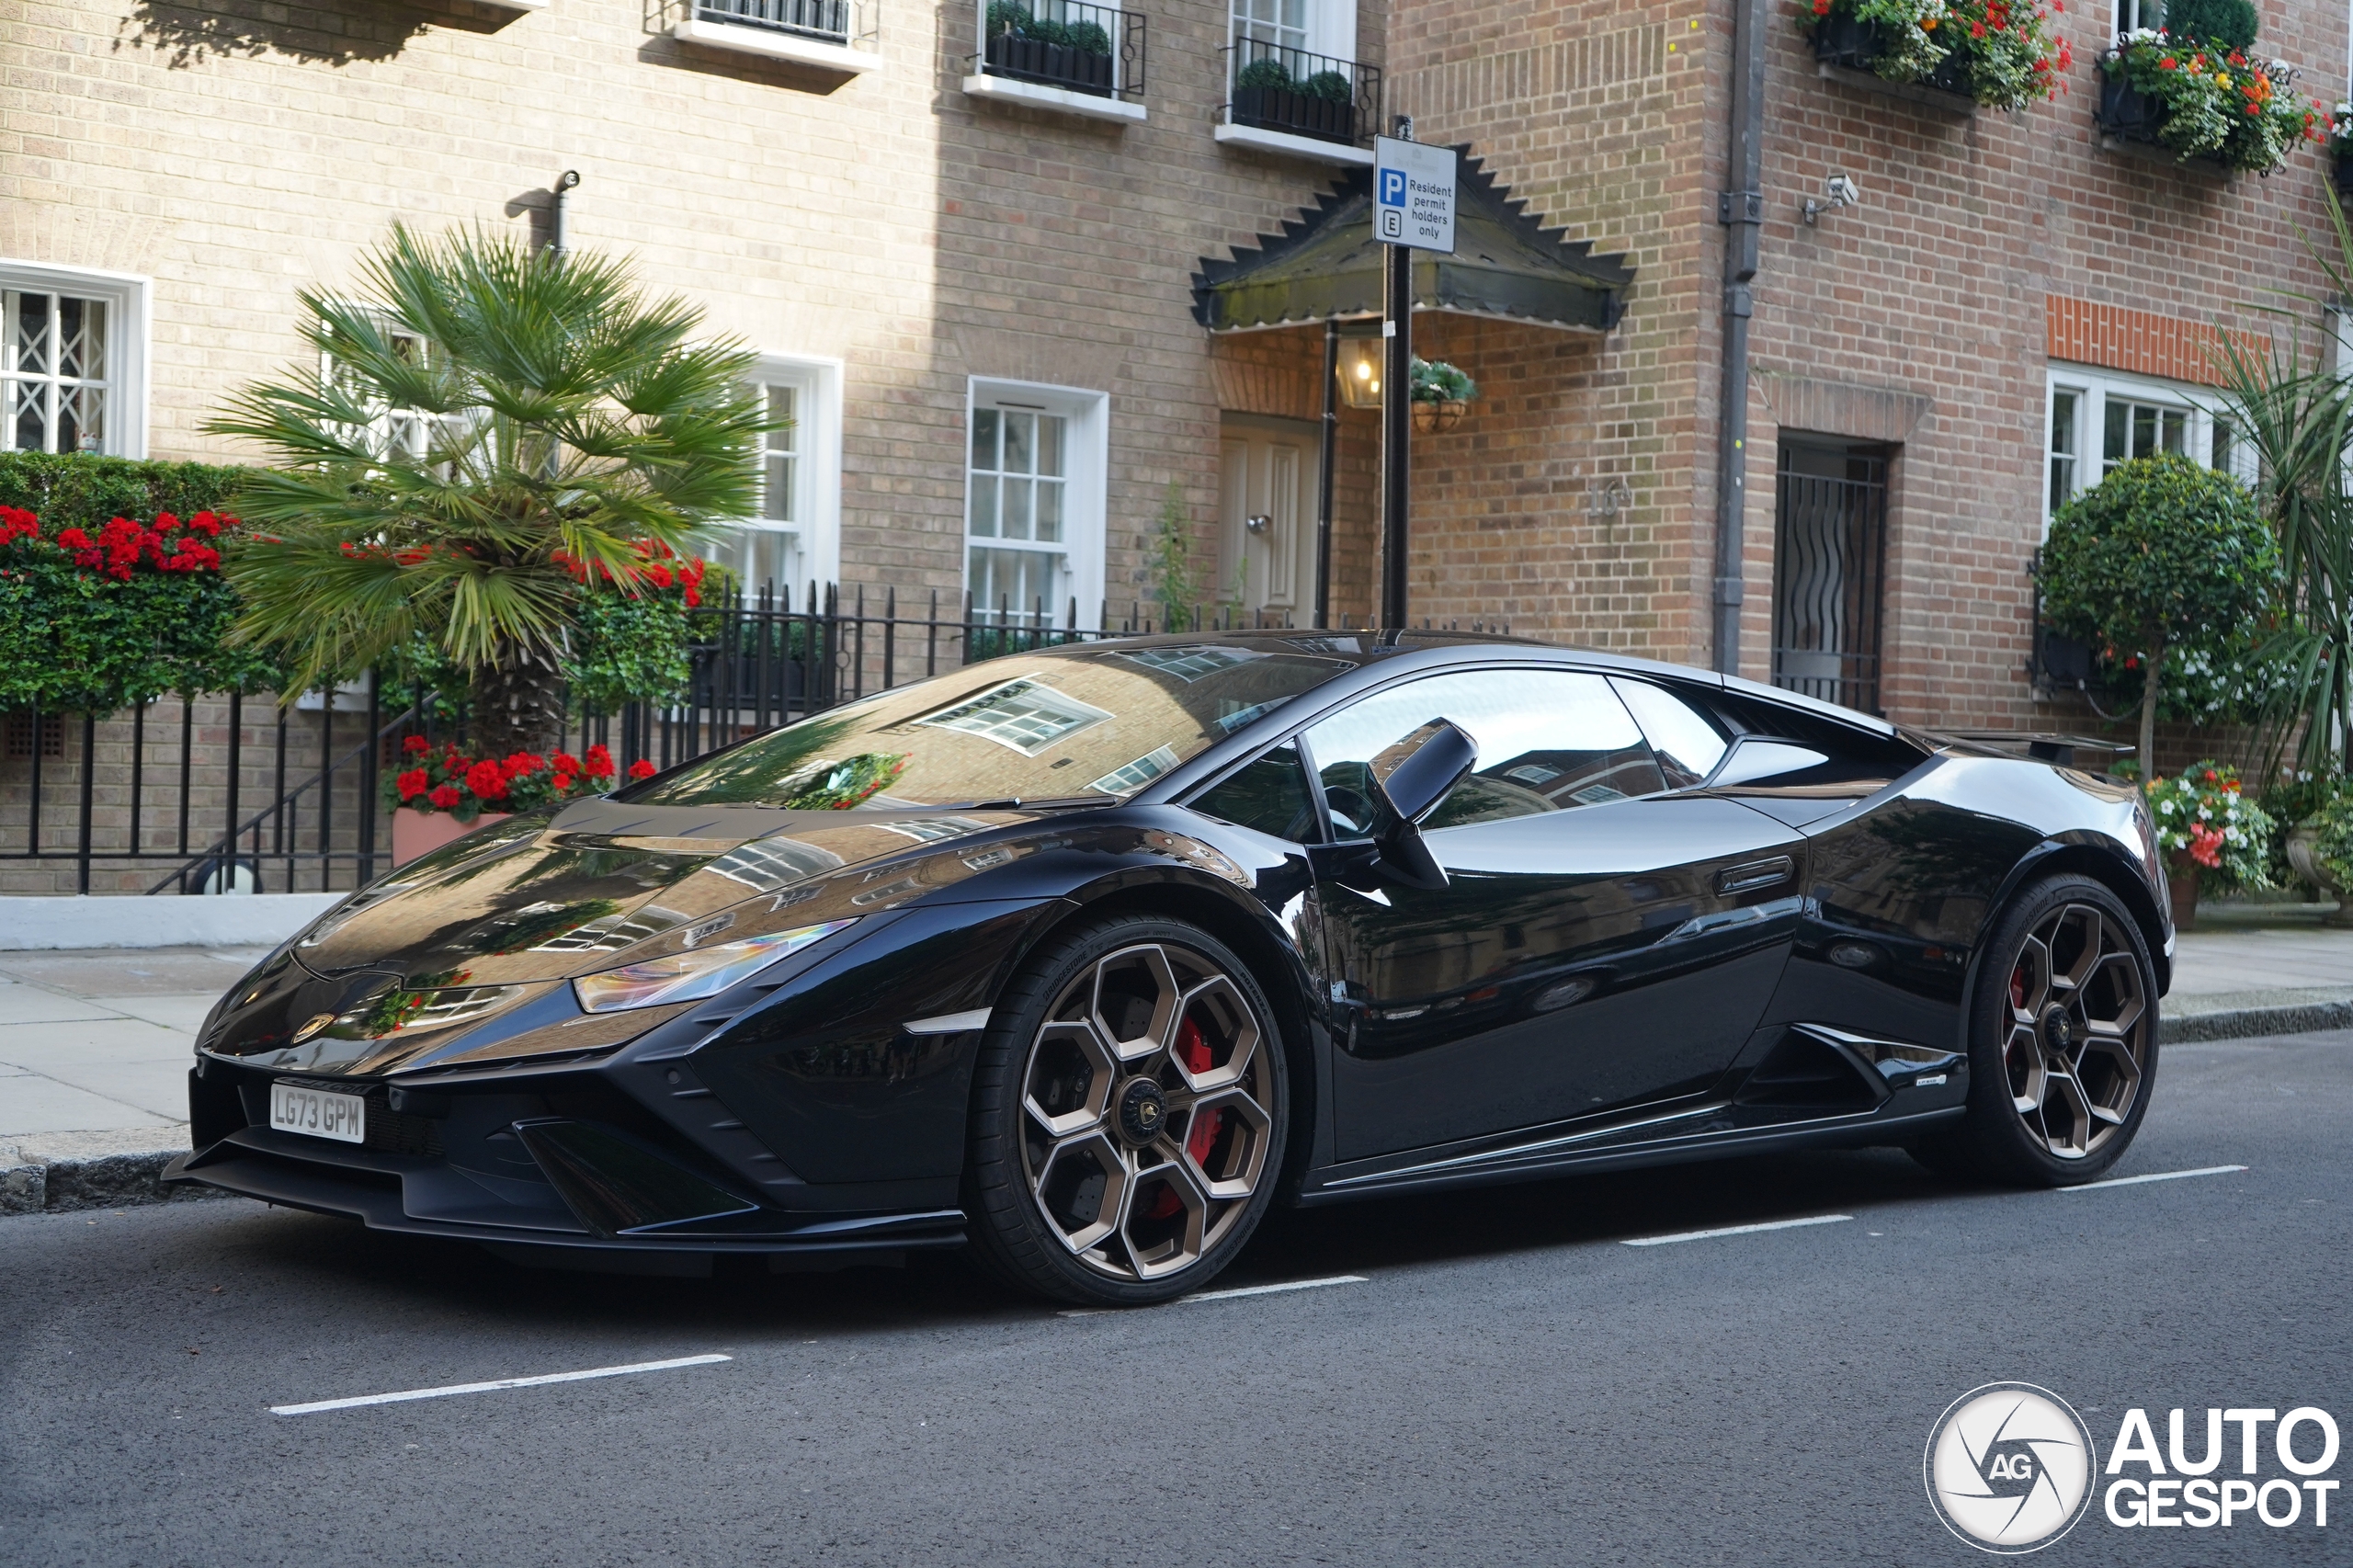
1687,743
1549,741
1271,795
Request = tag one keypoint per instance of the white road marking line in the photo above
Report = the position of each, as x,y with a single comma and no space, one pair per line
1274,1289
1223,1295
502,1383
1734,1231
2161,1175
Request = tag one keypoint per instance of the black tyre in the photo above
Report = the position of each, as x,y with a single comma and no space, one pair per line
2062,1042
1129,1112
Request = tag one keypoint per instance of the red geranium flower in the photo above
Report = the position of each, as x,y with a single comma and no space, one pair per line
411,783
445,796
600,762
566,763
415,744
642,768
523,763
486,781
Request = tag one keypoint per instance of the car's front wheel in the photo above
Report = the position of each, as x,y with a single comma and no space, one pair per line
1128,1115
2063,1041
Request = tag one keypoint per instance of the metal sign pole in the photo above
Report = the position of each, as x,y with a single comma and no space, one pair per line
1413,192
1396,426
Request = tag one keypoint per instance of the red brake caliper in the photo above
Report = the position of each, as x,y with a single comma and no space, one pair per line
2018,988
1195,1051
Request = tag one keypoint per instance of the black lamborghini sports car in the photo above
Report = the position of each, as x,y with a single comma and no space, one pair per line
1082,958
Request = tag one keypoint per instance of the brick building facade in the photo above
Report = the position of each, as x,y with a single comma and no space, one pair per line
934,260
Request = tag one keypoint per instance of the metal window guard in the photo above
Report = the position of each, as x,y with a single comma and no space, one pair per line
1096,49
847,22
1290,90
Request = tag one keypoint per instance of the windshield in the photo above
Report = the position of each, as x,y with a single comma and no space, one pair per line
1084,722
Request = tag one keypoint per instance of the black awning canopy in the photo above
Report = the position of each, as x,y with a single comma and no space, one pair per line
1326,265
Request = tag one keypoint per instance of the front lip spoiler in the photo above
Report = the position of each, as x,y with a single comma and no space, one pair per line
293,1184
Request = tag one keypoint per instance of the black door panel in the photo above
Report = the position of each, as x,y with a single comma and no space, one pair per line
1577,961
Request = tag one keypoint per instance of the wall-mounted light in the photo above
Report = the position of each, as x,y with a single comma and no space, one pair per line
1360,371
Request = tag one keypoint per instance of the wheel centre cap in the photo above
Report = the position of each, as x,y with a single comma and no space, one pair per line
2059,1029
1143,1111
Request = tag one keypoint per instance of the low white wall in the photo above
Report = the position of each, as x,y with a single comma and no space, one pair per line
166,920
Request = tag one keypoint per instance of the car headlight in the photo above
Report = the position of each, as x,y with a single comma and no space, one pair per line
691,976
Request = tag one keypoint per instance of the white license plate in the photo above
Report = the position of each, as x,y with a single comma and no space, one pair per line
318,1114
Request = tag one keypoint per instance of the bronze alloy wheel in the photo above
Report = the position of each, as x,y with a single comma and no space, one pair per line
1144,1109
2062,1042
2078,1030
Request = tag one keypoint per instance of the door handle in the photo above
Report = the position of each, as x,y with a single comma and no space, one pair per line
1755,874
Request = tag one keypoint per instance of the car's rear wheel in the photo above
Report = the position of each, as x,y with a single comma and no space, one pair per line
1128,1115
2063,1041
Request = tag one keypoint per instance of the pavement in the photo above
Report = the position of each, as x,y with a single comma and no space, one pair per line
95,1045
1487,1377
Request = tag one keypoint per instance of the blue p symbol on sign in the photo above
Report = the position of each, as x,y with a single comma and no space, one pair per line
1393,187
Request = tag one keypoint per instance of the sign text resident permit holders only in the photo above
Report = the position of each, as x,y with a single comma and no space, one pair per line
1412,193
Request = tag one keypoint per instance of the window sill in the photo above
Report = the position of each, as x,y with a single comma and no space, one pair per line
516,5
1036,94
776,46
1307,147
1958,105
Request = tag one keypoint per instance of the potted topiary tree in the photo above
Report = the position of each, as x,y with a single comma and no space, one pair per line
1075,54
2161,553
2158,554
1320,104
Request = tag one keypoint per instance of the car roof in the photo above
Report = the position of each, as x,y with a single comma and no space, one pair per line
1376,656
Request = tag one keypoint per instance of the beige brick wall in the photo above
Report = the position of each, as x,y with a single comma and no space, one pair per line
238,151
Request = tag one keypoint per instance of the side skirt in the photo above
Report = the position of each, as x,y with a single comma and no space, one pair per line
1662,1145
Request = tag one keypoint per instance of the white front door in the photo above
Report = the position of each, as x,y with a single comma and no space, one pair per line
1266,519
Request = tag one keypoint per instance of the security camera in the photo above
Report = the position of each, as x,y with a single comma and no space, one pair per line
1838,190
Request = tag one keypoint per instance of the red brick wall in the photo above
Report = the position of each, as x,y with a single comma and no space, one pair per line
1925,319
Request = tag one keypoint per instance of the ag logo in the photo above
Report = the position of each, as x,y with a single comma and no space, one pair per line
2010,1467
312,1025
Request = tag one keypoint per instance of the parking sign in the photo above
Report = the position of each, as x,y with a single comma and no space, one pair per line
1412,188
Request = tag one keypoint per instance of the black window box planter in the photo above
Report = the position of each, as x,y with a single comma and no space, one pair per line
1842,41
2128,119
2127,114
1301,114
2341,171
1051,64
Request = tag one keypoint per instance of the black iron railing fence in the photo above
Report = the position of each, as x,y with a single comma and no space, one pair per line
233,794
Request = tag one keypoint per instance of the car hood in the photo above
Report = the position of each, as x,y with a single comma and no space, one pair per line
542,897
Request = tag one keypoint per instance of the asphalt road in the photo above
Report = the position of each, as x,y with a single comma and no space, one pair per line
1509,1383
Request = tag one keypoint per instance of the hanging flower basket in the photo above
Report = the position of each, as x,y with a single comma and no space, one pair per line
1442,396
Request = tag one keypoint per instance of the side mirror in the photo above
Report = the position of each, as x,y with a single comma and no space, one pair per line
1409,778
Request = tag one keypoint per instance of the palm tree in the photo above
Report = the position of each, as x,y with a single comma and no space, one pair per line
2296,410
485,430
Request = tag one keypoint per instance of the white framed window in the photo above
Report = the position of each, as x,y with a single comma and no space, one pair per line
1025,714
2096,419
1313,27
793,539
2132,15
1034,503
407,431
72,360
